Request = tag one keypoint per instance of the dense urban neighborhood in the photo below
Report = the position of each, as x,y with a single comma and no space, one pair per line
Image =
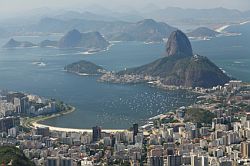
213,131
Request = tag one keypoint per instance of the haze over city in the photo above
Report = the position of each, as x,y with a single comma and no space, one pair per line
14,6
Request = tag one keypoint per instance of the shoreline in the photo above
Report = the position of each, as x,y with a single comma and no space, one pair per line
33,123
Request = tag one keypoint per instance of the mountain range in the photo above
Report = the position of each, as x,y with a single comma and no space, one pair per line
106,21
147,30
213,14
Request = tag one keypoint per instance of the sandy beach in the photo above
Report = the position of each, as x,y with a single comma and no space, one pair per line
35,124
52,128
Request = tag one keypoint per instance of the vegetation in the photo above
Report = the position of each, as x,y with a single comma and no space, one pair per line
199,116
60,106
189,71
15,156
84,67
171,120
181,67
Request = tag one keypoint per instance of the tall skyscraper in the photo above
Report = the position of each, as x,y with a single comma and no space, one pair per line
245,149
24,105
96,135
44,131
156,156
203,160
156,161
8,122
194,160
135,131
174,160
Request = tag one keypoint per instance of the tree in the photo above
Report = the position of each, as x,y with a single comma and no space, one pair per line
12,154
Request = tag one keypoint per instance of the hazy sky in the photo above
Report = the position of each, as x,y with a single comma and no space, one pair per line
10,6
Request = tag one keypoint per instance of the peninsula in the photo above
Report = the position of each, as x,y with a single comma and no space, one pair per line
180,67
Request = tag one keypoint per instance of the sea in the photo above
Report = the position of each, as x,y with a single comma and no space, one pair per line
112,106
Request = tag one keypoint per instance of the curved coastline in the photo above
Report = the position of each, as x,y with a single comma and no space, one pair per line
35,122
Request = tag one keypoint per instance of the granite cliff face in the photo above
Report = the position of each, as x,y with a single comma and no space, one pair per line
178,45
181,67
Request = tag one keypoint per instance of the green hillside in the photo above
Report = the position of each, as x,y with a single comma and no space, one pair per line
15,156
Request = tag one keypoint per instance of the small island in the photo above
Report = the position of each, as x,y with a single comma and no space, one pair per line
48,43
84,68
90,42
87,41
18,44
203,32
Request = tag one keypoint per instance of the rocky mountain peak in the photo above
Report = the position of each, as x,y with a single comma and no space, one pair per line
178,44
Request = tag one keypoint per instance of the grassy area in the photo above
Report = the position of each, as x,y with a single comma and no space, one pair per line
199,116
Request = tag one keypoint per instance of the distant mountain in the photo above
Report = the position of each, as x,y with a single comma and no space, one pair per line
177,13
203,32
89,40
84,67
192,18
243,27
186,70
246,14
106,21
147,30
16,44
48,43
69,15
51,25
54,25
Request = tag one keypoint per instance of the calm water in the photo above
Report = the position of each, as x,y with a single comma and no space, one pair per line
110,105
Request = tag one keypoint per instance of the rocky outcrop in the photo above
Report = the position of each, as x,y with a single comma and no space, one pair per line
178,44
179,68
